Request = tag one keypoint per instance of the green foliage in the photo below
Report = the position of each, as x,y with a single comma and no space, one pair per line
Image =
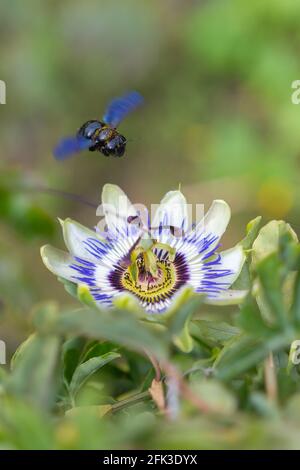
87,369
19,209
82,379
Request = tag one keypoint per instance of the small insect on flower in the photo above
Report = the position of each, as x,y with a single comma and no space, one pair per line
101,135
148,260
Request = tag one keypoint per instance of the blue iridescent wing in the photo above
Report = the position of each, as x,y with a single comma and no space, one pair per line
118,108
68,146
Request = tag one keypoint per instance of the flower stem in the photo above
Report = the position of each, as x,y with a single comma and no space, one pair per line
130,401
270,378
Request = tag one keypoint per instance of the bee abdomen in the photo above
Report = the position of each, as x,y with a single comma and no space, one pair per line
90,129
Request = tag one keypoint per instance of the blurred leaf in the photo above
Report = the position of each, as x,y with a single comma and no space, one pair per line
25,427
116,326
35,375
87,369
179,318
180,299
243,353
251,320
251,233
244,279
70,287
270,274
72,350
289,251
215,395
268,240
20,350
184,340
85,296
97,410
44,316
96,348
263,406
295,308
215,331
3,375
179,323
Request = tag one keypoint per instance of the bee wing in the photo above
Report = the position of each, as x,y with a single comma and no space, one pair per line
70,145
118,108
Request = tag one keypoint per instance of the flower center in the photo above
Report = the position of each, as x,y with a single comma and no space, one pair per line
146,286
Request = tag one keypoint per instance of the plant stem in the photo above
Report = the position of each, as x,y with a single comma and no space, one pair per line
130,401
184,388
270,378
155,364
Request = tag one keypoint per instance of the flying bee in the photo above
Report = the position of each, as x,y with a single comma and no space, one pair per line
101,135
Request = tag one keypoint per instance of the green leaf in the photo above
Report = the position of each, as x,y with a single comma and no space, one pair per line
215,395
180,299
270,275
25,427
179,323
129,302
295,308
244,279
289,250
44,316
243,282
98,410
119,327
84,295
70,287
176,323
72,350
183,340
96,348
262,405
251,320
3,375
251,233
36,370
87,369
214,331
244,353
20,350
268,240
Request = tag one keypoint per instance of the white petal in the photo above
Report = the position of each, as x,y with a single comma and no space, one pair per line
172,211
232,259
76,236
58,262
228,297
215,220
117,208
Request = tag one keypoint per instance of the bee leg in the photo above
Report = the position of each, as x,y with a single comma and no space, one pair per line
105,151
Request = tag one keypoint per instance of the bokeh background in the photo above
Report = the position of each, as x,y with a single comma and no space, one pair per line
218,118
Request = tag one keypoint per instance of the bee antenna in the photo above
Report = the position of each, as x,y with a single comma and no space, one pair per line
60,193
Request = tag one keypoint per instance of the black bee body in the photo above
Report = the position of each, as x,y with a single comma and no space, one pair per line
103,138
101,135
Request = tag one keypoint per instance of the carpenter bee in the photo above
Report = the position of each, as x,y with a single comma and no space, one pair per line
101,135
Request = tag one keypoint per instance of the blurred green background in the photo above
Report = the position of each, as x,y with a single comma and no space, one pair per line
216,76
